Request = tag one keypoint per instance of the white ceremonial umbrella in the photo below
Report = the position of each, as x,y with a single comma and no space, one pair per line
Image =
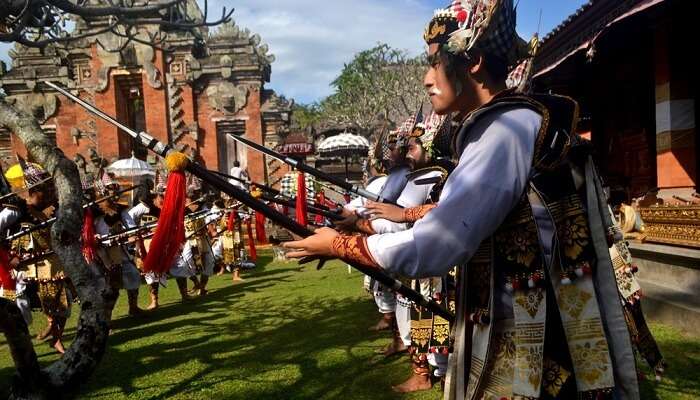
130,168
344,145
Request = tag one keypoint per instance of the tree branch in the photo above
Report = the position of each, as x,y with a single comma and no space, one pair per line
87,349
84,11
39,23
13,326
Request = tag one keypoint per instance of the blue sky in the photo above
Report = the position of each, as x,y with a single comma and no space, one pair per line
312,39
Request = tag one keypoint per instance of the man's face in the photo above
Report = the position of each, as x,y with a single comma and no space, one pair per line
441,90
158,201
192,203
106,206
416,156
42,196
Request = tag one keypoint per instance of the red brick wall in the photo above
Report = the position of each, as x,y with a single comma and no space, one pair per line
207,131
195,107
156,104
253,131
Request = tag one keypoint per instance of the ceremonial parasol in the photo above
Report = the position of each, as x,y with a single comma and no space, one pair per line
130,168
344,145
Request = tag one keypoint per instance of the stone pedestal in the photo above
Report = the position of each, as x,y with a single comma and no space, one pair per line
670,280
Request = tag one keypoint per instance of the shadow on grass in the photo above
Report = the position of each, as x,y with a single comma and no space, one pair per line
272,337
270,351
682,353
280,345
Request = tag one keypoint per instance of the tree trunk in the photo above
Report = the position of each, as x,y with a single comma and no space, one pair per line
14,328
91,338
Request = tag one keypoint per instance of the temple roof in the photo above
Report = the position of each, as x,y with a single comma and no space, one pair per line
228,53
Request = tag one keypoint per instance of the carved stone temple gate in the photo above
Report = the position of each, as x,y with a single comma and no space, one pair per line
187,94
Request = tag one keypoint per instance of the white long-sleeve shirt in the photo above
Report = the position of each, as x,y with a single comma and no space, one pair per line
8,217
138,211
412,195
358,203
486,185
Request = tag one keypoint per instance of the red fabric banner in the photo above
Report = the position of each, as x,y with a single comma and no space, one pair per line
301,199
251,243
88,236
170,232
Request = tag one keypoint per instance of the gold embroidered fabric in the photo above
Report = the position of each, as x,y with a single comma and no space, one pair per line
555,376
413,214
531,301
585,337
529,311
498,376
353,249
54,297
8,294
432,32
421,332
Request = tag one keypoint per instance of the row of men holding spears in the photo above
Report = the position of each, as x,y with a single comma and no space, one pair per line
116,236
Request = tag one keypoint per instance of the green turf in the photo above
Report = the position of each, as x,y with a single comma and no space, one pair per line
284,333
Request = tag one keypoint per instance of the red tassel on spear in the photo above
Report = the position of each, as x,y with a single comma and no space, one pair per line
301,199
251,242
170,232
260,228
88,236
7,282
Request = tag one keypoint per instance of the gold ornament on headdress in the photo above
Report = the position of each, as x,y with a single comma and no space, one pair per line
432,31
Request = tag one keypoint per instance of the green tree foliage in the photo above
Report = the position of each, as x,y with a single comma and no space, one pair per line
306,115
377,84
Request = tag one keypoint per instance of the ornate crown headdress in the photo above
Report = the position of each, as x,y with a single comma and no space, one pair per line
486,24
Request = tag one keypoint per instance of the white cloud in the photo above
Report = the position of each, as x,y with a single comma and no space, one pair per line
312,39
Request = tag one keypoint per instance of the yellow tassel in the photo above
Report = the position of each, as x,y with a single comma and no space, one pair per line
257,193
176,161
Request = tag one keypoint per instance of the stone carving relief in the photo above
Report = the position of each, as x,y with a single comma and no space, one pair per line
227,97
147,58
194,71
226,63
144,56
230,30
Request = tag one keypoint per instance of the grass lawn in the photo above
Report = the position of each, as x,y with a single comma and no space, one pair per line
284,333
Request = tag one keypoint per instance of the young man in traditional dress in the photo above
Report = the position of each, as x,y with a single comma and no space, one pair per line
387,159
43,268
13,280
426,145
199,245
146,212
111,218
525,217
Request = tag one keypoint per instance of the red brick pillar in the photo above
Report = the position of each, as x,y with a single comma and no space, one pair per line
156,103
253,131
675,119
107,134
